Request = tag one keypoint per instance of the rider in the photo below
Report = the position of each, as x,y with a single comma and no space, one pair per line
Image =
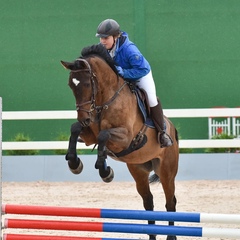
132,66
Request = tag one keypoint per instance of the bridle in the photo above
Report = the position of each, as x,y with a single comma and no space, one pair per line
79,107
92,101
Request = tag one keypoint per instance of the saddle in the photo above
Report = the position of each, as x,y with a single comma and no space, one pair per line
140,139
143,104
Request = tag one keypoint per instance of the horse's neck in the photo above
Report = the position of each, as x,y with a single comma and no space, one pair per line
108,82
109,88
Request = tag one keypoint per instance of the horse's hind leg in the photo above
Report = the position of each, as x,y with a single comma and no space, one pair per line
140,175
171,201
74,163
167,178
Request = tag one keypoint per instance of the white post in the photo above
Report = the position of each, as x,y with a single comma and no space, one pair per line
209,127
237,128
234,127
228,125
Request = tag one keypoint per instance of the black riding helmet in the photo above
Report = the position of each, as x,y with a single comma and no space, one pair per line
108,27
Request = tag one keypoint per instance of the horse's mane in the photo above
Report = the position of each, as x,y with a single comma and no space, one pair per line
100,51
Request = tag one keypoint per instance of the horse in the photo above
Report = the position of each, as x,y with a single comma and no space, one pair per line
109,116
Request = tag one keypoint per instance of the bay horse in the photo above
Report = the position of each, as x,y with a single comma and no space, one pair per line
109,116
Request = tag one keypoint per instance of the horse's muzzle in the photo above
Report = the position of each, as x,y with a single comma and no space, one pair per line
85,123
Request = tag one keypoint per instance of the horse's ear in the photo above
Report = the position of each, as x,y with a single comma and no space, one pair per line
67,65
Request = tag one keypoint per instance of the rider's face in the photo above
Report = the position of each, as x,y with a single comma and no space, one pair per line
107,42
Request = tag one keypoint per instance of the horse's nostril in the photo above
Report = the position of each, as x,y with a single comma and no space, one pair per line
85,122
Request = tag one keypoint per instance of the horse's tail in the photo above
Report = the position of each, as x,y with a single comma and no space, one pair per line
176,135
154,178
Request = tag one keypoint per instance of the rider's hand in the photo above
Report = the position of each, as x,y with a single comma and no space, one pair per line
120,70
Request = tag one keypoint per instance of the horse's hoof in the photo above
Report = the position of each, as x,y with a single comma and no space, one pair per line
110,176
75,167
171,238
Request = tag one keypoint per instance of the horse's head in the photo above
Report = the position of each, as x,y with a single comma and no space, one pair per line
81,81
84,83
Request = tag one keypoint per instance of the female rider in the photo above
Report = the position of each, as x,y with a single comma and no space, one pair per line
132,66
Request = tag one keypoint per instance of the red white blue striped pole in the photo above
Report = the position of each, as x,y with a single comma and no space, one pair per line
122,228
122,214
9,236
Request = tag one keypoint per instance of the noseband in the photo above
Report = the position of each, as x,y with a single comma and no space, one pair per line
92,101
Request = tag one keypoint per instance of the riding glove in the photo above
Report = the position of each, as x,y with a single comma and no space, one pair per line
120,71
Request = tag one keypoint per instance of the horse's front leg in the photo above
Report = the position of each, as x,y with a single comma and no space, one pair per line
115,135
74,163
105,172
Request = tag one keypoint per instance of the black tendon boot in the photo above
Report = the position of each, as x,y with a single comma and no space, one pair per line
157,115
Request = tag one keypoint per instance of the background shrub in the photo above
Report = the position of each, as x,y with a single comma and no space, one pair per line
20,137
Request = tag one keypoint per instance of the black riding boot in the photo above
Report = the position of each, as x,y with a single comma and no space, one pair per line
157,115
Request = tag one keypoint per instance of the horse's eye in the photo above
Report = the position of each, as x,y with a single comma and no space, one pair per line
86,85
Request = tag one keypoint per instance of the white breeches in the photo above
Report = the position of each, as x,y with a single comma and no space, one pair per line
147,83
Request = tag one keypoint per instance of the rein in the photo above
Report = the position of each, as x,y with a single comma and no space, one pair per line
106,104
92,101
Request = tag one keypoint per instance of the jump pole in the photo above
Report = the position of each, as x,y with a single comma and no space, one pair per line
122,228
9,236
121,214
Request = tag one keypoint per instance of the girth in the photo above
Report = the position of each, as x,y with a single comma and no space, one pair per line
138,142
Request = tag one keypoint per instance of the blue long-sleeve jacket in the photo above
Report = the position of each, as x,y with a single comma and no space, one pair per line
128,56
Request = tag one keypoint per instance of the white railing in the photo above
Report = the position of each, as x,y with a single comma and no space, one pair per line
236,126
218,127
171,113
